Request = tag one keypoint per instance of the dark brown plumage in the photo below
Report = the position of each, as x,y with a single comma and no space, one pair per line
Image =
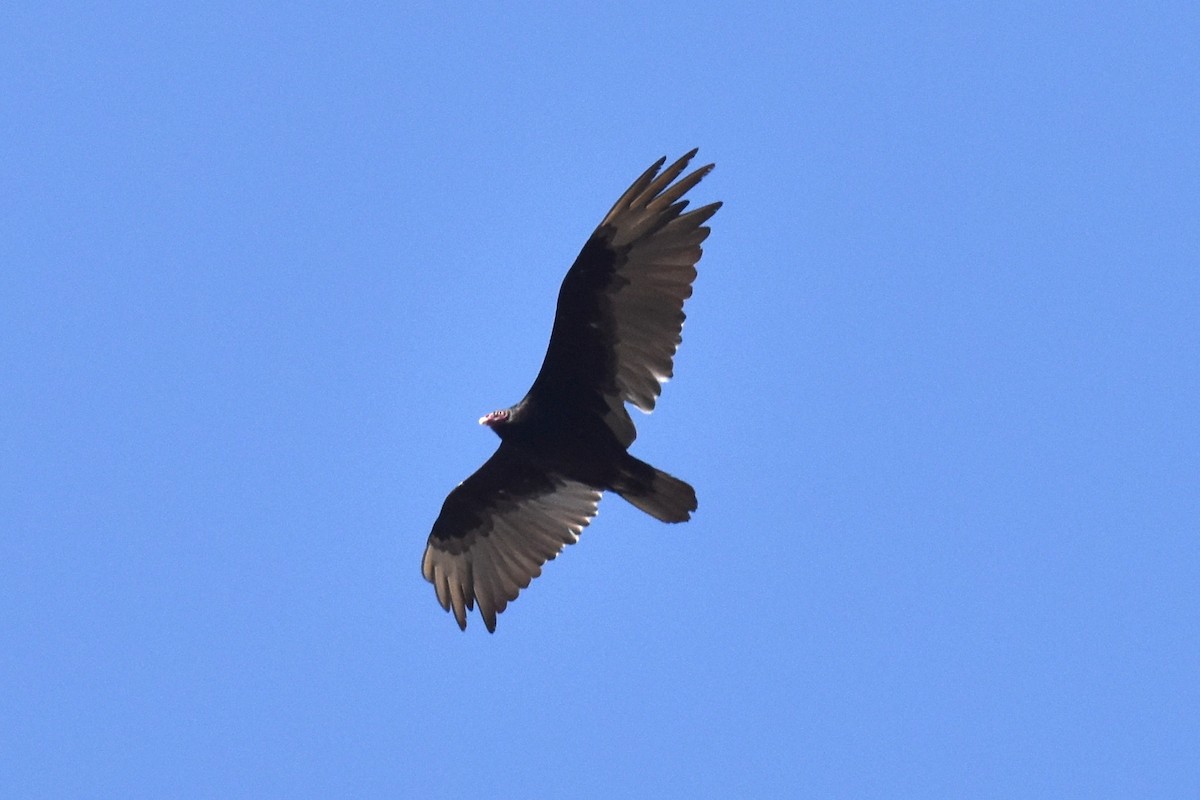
618,324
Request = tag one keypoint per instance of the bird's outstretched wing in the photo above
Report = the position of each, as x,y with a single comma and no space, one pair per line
496,530
620,309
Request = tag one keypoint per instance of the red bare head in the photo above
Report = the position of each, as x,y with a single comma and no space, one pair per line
495,418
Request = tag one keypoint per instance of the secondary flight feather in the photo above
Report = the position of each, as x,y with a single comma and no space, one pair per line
618,324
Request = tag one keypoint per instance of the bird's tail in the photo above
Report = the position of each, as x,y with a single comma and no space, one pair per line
660,495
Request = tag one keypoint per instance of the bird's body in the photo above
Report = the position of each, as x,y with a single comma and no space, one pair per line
617,326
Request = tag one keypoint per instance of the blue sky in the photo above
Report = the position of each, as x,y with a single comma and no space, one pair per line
265,266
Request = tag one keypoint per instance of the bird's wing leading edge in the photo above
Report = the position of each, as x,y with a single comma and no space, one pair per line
497,529
620,309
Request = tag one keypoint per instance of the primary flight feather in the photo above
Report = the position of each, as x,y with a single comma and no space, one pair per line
618,324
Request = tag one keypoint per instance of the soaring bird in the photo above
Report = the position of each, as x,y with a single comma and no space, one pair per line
618,324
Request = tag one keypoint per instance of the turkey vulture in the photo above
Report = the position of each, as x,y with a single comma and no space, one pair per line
618,324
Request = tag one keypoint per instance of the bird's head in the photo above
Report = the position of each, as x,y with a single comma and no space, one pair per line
497,419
